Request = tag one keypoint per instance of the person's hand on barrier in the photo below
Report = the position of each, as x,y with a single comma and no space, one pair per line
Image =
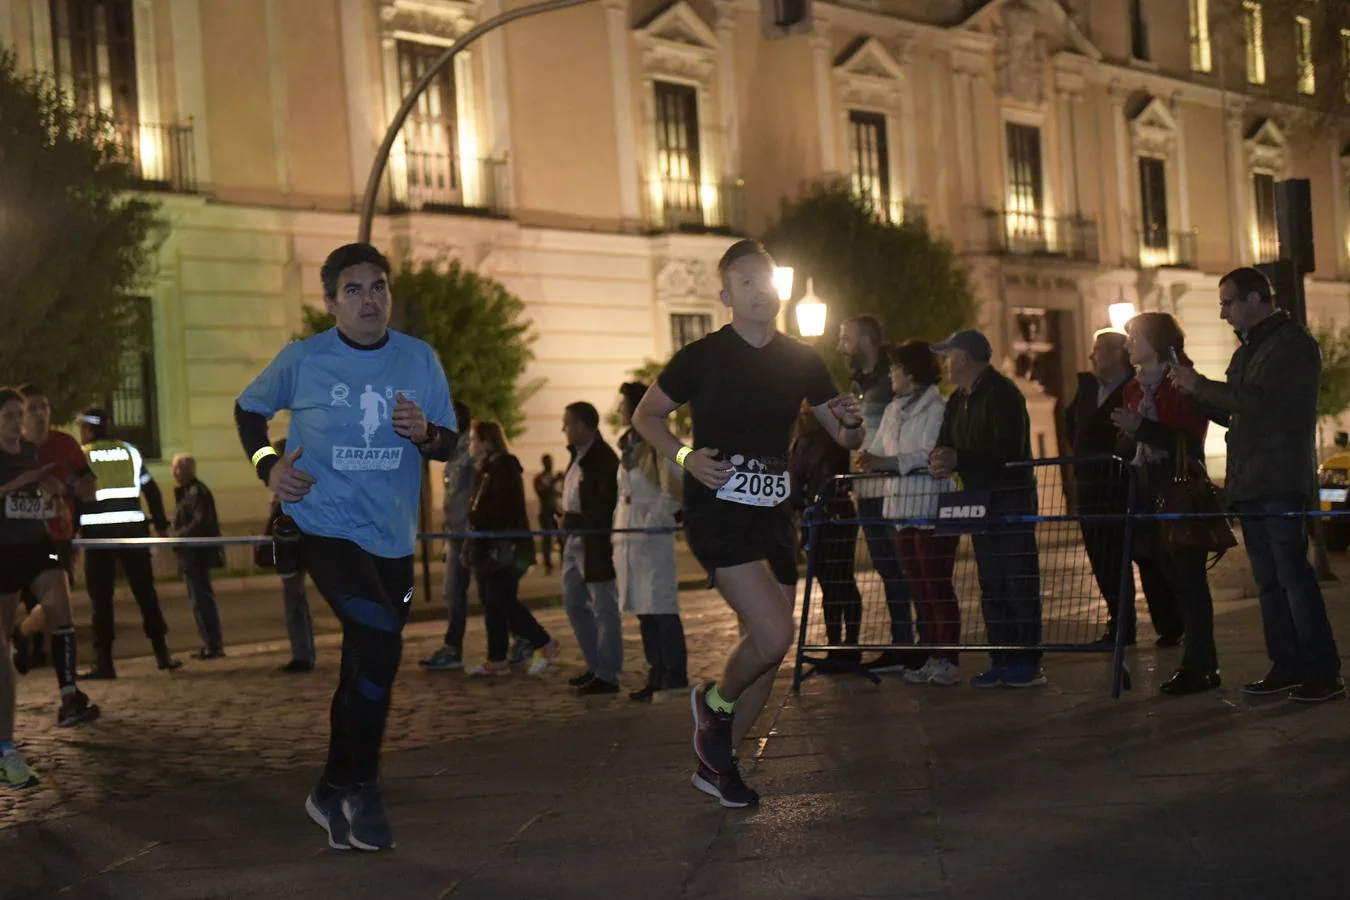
710,471
409,420
1127,420
942,462
869,463
288,482
1184,378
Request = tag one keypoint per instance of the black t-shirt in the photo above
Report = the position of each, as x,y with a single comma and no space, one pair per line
744,400
23,513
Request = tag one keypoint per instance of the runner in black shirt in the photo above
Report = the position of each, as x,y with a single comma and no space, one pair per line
745,384
29,559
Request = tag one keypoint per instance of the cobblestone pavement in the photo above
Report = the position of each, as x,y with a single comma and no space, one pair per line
238,717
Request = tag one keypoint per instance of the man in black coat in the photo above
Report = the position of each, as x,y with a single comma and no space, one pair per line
195,517
590,592
1103,490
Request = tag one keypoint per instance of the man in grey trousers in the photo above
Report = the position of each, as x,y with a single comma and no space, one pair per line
590,595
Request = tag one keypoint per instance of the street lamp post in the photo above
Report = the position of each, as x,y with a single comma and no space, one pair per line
433,71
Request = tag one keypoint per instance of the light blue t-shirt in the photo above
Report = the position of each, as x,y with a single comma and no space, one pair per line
367,478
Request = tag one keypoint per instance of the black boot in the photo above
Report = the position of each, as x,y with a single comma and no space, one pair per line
166,662
102,670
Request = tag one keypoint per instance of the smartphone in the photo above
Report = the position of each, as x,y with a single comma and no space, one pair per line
1172,355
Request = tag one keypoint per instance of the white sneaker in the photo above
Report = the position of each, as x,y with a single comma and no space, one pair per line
14,771
943,672
921,675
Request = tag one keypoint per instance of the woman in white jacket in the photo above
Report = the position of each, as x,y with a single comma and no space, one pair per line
907,434
650,489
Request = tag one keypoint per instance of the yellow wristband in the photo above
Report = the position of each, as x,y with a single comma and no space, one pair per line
682,455
263,454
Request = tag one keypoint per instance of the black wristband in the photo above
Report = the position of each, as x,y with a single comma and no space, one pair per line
432,434
264,468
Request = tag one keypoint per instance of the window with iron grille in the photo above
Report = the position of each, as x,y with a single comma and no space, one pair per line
869,161
685,328
1153,202
1026,190
134,403
677,147
94,50
1267,232
430,133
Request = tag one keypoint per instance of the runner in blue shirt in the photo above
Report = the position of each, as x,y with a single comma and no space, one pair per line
367,405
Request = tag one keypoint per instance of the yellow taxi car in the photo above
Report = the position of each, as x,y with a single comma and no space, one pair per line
1333,483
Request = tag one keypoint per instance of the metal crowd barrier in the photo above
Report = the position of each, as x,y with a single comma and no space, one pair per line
1026,567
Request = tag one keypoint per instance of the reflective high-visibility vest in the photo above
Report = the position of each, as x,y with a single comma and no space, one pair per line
120,472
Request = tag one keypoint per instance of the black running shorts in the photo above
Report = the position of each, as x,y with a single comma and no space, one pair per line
20,564
730,534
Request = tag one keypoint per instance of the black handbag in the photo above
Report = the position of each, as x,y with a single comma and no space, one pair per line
1190,492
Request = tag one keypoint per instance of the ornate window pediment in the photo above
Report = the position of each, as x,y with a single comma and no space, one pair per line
427,21
676,43
1267,149
1154,130
688,280
870,75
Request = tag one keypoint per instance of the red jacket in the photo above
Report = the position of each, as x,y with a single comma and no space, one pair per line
1176,412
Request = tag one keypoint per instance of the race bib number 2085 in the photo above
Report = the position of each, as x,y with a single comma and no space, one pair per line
754,484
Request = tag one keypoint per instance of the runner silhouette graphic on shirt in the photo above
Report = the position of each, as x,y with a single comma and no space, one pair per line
373,408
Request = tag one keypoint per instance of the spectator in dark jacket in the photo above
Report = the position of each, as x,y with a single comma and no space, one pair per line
590,592
195,516
498,504
1103,489
985,429
1162,421
815,459
1269,405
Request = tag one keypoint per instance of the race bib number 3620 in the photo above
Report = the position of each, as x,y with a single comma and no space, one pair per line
751,484
18,506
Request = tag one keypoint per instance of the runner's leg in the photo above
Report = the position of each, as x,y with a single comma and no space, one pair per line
766,623
53,593
751,701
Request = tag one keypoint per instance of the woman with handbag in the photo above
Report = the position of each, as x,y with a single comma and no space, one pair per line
498,504
1168,434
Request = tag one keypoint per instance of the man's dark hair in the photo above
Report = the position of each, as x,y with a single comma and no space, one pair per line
343,258
585,413
8,394
737,252
547,460
31,390
918,359
1247,281
868,327
462,417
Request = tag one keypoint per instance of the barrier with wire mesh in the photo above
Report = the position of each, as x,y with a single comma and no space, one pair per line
1037,564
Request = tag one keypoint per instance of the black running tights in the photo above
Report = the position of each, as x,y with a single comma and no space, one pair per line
371,596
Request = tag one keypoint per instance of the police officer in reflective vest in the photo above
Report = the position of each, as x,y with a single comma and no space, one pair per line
116,513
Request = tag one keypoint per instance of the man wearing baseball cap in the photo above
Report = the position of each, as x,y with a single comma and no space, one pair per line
985,428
